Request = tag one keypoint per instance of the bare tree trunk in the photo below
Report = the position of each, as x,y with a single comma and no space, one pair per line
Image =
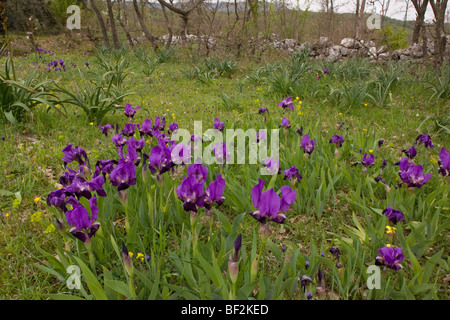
184,13
421,7
169,28
149,36
124,26
439,7
359,13
112,24
102,23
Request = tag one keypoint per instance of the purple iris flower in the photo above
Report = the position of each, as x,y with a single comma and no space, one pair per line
107,128
263,110
218,125
129,129
57,199
86,64
198,171
173,127
68,176
326,71
338,140
300,131
146,128
425,139
74,154
291,173
393,215
269,204
191,193
123,175
160,160
368,161
214,192
221,152
119,140
444,162
390,257
307,145
130,112
105,166
261,135
410,152
286,103
159,124
285,123
272,166
84,225
137,145
412,174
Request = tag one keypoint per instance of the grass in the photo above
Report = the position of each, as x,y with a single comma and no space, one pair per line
30,154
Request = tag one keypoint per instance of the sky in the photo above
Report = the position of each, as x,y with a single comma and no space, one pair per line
397,8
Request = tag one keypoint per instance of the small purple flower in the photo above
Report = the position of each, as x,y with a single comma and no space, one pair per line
130,112
191,193
269,204
86,64
300,131
261,135
306,265
137,145
159,124
326,71
146,128
393,215
338,140
291,173
425,139
214,192
129,129
221,152
390,257
119,140
444,162
272,166
160,160
380,143
200,172
84,225
285,123
309,295
368,161
263,110
57,199
307,145
107,128
218,125
74,154
412,174
124,175
410,152
173,127
286,103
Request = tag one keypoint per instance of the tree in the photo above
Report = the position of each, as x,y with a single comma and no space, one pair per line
359,12
147,33
440,40
112,24
101,23
421,8
183,12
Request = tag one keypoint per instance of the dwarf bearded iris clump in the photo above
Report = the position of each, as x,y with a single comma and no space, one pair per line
425,139
270,206
84,226
390,257
444,162
412,174
286,103
393,215
307,145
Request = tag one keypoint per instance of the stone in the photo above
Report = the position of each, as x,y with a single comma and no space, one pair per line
348,43
382,49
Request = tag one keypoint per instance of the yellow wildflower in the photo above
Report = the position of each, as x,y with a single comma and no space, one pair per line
390,229
51,228
36,217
